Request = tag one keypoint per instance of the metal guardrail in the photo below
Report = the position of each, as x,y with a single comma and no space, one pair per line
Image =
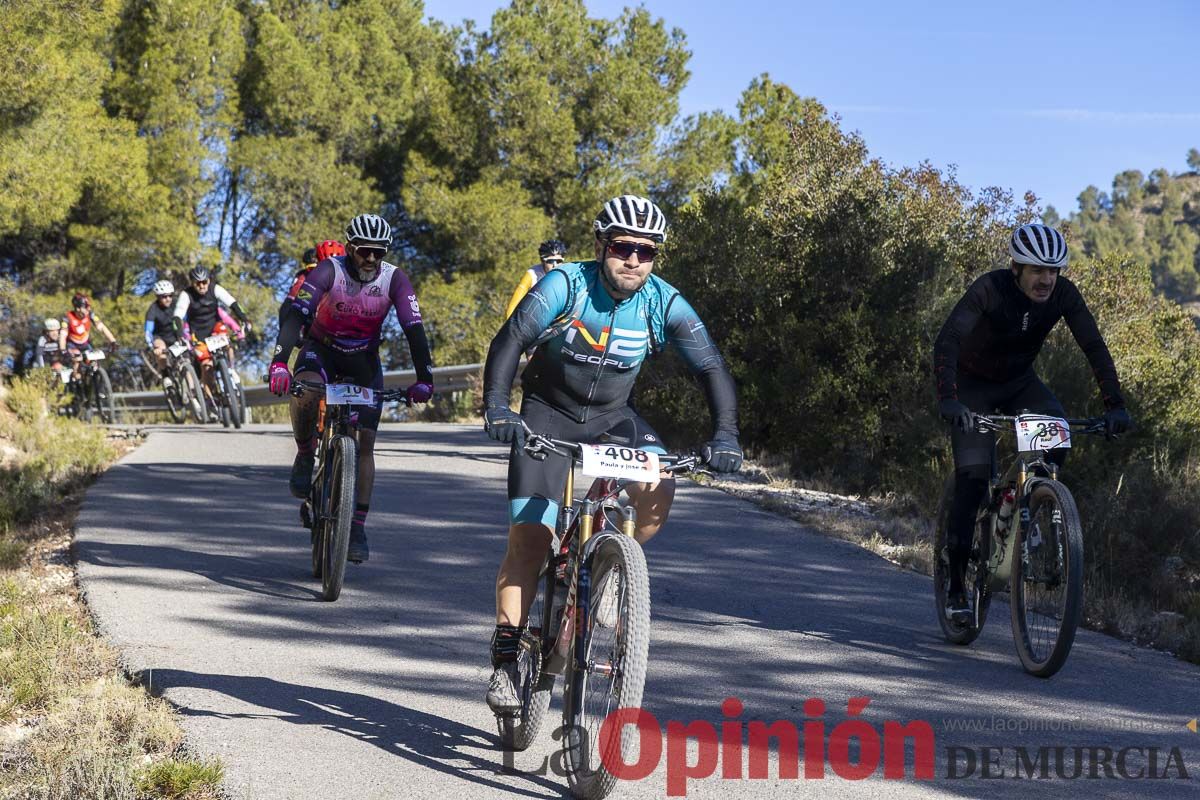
445,379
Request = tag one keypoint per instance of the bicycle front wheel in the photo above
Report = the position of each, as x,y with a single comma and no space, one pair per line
343,472
616,643
229,392
518,732
192,391
1047,580
104,396
173,394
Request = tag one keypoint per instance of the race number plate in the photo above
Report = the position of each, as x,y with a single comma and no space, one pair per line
95,355
610,461
1039,432
178,349
215,343
347,394
65,374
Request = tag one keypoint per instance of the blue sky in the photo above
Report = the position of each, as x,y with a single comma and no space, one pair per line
1049,97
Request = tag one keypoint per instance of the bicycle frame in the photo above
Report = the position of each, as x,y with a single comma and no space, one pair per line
1026,465
575,539
331,423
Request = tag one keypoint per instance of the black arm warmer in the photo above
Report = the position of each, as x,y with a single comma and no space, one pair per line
289,335
503,356
418,347
688,334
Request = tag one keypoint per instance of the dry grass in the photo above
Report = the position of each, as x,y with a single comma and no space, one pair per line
72,726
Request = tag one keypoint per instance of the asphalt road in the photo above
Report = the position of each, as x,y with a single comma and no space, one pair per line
193,560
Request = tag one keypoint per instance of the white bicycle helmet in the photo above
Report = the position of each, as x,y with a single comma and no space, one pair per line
1039,245
371,230
633,215
164,287
52,324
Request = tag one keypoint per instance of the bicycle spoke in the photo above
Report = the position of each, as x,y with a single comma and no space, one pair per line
1044,591
605,651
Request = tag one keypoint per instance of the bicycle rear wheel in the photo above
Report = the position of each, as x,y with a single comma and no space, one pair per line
1047,580
343,469
616,645
978,596
518,732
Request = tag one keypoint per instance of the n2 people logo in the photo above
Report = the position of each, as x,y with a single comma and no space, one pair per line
616,347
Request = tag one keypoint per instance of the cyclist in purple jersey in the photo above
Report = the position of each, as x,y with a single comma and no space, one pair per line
342,305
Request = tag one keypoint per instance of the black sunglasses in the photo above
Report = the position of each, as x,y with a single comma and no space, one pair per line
371,252
623,250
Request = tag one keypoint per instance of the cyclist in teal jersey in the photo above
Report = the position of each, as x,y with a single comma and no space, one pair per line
592,324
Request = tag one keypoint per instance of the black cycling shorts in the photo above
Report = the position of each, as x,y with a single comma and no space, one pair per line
362,368
1023,393
535,487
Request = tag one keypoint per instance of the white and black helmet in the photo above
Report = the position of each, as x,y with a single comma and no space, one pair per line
633,215
164,287
1039,245
52,324
369,229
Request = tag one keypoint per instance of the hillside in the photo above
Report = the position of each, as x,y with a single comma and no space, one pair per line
1155,218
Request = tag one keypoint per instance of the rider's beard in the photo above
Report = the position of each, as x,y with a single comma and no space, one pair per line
366,274
623,282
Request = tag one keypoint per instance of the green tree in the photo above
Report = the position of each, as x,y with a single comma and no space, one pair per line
102,215
1152,219
176,64
566,108
844,269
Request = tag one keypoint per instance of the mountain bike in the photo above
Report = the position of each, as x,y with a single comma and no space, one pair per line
226,385
181,386
590,621
1027,537
329,508
92,390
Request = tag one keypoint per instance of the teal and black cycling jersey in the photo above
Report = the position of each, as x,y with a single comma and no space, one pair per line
591,347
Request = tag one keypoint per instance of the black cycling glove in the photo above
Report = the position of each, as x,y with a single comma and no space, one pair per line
1116,421
504,425
723,454
957,414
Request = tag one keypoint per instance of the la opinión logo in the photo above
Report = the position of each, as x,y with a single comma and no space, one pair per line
853,749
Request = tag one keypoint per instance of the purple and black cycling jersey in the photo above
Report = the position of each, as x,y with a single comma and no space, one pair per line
347,315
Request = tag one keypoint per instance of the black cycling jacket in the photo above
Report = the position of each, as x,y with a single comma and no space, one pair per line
995,333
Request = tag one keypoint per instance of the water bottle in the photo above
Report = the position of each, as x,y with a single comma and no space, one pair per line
1008,503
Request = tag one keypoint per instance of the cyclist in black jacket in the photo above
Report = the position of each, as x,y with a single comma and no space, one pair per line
983,360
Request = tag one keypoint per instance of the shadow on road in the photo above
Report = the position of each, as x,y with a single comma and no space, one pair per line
425,739
745,604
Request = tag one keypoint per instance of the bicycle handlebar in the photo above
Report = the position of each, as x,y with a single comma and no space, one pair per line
984,423
383,395
675,463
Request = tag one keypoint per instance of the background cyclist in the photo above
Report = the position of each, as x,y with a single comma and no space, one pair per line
983,360
341,307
